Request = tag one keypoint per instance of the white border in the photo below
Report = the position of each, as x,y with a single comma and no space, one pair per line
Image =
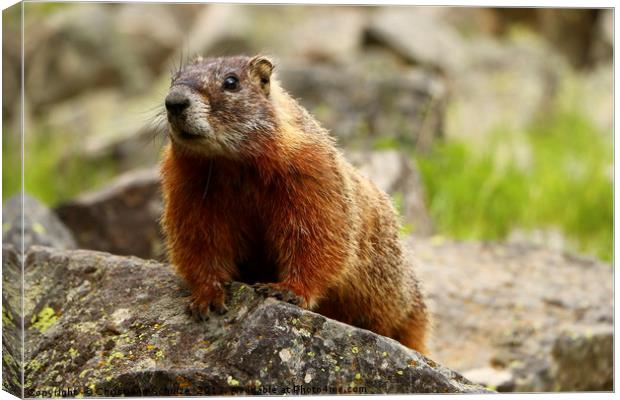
506,3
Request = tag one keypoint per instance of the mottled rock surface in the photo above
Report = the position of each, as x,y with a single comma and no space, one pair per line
40,225
510,306
122,218
115,325
11,321
583,359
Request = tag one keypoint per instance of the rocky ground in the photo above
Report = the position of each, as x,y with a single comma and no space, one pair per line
115,325
498,319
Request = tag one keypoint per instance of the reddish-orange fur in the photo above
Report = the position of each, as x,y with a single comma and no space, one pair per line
290,211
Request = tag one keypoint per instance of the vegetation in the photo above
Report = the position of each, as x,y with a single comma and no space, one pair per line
556,175
53,172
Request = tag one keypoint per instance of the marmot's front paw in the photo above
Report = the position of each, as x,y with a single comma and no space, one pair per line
280,292
202,302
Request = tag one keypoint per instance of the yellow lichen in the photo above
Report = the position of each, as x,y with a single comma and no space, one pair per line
44,319
116,354
355,350
6,318
232,381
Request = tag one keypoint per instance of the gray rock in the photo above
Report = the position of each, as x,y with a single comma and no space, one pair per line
501,380
12,331
330,34
402,105
583,359
506,305
122,218
396,174
419,35
86,46
502,85
40,225
115,325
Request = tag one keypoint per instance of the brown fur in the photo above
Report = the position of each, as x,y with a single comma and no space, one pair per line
274,201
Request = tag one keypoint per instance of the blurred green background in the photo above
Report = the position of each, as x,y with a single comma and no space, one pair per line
506,114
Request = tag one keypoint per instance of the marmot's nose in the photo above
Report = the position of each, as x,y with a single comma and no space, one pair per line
176,102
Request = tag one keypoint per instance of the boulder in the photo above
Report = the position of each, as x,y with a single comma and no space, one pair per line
328,34
40,225
80,47
110,128
396,174
583,359
370,106
110,325
420,35
509,306
502,86
122,218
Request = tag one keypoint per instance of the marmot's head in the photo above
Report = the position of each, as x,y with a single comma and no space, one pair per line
221,106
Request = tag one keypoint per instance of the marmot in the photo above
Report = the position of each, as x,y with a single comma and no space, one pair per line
255,190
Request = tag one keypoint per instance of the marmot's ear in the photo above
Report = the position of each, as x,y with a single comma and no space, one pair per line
261,68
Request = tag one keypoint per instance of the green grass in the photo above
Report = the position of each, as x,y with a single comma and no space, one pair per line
564,183
53,173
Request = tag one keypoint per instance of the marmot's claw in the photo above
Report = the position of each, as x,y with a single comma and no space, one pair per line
278,292
201,306
220,309
197,312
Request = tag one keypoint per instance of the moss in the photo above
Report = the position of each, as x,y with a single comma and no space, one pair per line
44,319
355,350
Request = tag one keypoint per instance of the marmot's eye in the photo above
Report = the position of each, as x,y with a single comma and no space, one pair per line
231,83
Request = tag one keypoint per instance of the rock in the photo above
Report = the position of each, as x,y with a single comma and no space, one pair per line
75,49
394,173
40,225
12,331
108,127
419,35
329,34
497,304
83,47
583,359
122,218
594,97
493,378
406,106
571,31
503,86
113,325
